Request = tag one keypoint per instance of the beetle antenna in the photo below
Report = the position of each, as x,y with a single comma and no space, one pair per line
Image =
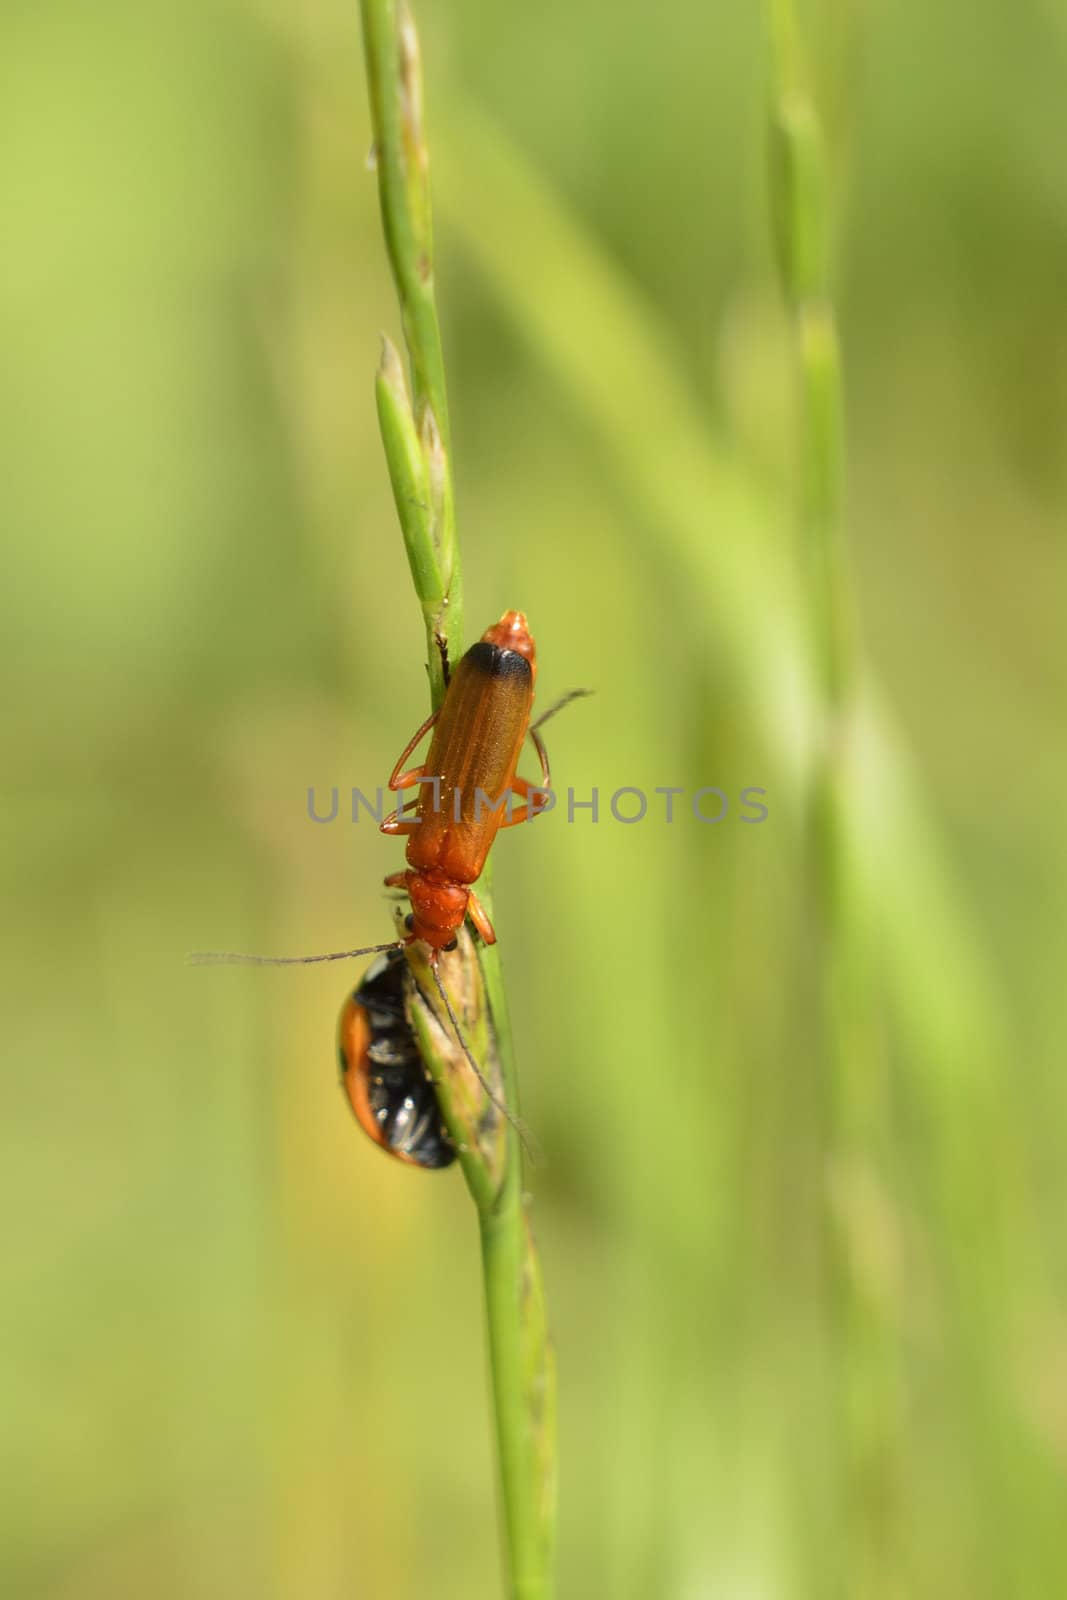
516,1122
539,743
564,700
233,958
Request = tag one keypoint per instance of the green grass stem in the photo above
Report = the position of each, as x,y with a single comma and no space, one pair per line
416,435
852,1072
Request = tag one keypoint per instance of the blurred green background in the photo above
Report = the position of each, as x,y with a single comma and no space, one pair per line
243,1353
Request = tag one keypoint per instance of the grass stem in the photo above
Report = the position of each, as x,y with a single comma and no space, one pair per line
417,440
852,1071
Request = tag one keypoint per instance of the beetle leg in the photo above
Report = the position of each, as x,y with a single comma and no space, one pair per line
395,826
522,787
390,823
478,915
442,650
542,755
396,880
403,780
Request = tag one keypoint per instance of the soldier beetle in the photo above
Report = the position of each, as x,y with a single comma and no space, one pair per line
471,769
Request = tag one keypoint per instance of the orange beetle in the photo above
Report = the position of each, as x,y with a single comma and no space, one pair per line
467,782
470,769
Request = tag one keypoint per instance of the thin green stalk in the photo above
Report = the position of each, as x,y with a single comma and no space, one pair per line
415,431
417,440
852,1069
803,240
